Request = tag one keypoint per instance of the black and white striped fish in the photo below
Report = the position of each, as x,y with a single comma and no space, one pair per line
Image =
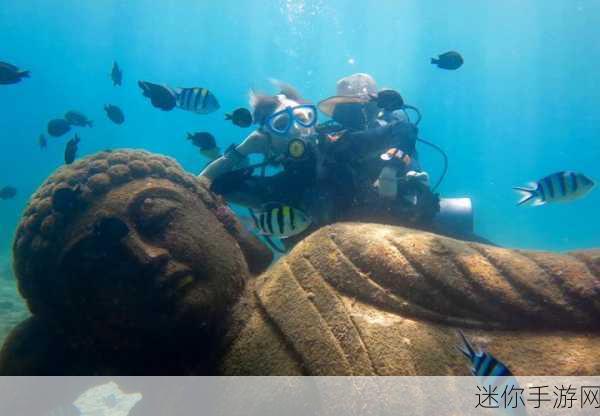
196,100
558,187
492,374
280,221
484,364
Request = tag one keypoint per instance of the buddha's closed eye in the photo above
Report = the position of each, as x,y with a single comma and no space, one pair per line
153,214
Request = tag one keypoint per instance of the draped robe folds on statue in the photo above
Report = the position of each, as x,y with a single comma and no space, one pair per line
366,299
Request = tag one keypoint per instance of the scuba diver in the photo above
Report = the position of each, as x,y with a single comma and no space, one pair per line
372,141
361,165
285,138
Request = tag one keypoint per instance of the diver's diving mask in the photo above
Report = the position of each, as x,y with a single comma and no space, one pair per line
282,121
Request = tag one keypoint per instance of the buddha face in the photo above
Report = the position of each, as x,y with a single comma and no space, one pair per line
150,255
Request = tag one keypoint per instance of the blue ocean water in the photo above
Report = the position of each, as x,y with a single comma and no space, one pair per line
524,105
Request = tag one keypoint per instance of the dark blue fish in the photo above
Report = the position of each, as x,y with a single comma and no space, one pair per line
58,127
8,192
76,118
114,113
449,60
160,96
10,74
116,74
71,150
240,117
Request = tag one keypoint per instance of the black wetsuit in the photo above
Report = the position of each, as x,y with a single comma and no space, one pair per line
331,182
353,163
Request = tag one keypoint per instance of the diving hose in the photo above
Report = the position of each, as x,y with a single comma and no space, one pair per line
428,143
444,155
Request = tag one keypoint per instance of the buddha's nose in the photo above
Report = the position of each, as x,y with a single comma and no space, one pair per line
147,255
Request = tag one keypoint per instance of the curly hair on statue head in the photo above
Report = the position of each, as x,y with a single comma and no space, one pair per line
68,192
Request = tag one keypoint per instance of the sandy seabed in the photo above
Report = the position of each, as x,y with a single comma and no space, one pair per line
12,306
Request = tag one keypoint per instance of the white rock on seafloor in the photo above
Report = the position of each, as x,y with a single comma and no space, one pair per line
106,400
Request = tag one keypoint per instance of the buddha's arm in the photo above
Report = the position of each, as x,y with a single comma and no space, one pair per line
373,299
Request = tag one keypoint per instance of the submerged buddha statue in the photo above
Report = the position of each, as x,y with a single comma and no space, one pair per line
130,266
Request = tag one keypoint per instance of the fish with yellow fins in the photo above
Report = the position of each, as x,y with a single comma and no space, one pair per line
196,100
558,187
280,221
206,143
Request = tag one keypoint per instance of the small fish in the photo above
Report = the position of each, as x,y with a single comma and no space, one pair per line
114,113
492,374
558,187
116,74
42,142
160,96
58,127
240,117
10,74
389,100
8,192
280,221
449,60
484,364
207,144
196,100
71,149
76,118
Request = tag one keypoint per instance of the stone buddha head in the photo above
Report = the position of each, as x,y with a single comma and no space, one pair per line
126,239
